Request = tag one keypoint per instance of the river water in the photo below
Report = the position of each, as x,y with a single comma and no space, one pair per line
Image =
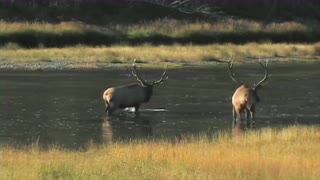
66,108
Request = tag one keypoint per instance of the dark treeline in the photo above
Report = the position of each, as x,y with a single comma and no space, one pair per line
42,39
126,11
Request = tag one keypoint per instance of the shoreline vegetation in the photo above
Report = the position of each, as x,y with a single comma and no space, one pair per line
82,35
76,45
159,32
288,153
95,58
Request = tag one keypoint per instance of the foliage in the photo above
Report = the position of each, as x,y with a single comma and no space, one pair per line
165,31
64,23
160,54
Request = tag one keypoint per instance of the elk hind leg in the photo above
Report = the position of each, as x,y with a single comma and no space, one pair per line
107,106
252,118
110,111
248,116
236,115
111,108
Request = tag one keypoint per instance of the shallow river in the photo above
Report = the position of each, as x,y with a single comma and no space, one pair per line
66,108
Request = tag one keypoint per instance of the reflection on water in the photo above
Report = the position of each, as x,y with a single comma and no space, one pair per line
239,129
66,108
126,127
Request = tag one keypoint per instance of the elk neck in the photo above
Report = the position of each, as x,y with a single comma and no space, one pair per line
254,91
148,89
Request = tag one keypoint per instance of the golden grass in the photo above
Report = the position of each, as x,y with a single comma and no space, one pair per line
291,153
177,28
159,54
12,27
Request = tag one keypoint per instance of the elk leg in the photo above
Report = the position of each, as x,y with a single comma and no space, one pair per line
252,122
136,108
107,106
248,115
111,108
110,111
234,115
238,114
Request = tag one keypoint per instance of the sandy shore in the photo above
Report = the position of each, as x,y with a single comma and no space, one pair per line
78,65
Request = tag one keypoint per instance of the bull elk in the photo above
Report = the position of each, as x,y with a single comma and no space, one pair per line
132,95
245,98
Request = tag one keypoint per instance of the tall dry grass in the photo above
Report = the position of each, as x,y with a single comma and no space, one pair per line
163,31
14,27
159,54
291,153
178,28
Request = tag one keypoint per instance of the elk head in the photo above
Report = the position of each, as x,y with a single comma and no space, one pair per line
145,83
245,98
148,87
132,95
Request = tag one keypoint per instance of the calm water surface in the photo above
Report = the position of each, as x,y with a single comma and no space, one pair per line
66,108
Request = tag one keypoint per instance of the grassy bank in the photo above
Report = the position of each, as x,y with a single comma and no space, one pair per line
158,32
291,153
158,54
60,23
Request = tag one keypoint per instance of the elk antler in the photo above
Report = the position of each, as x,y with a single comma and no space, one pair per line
162,79
135,73
266,72
230,64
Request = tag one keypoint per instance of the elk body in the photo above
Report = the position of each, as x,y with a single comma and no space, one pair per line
245,98
132,95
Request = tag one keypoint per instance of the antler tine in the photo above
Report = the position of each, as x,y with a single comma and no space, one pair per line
134,72
266,73
230,64
134,68
162,79
230,61
264,66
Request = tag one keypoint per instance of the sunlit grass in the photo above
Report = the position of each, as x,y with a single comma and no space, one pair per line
12,27
162,31
291,153
180,28
159,54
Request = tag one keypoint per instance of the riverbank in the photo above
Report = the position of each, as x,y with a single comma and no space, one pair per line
289,153
95,58
160,32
